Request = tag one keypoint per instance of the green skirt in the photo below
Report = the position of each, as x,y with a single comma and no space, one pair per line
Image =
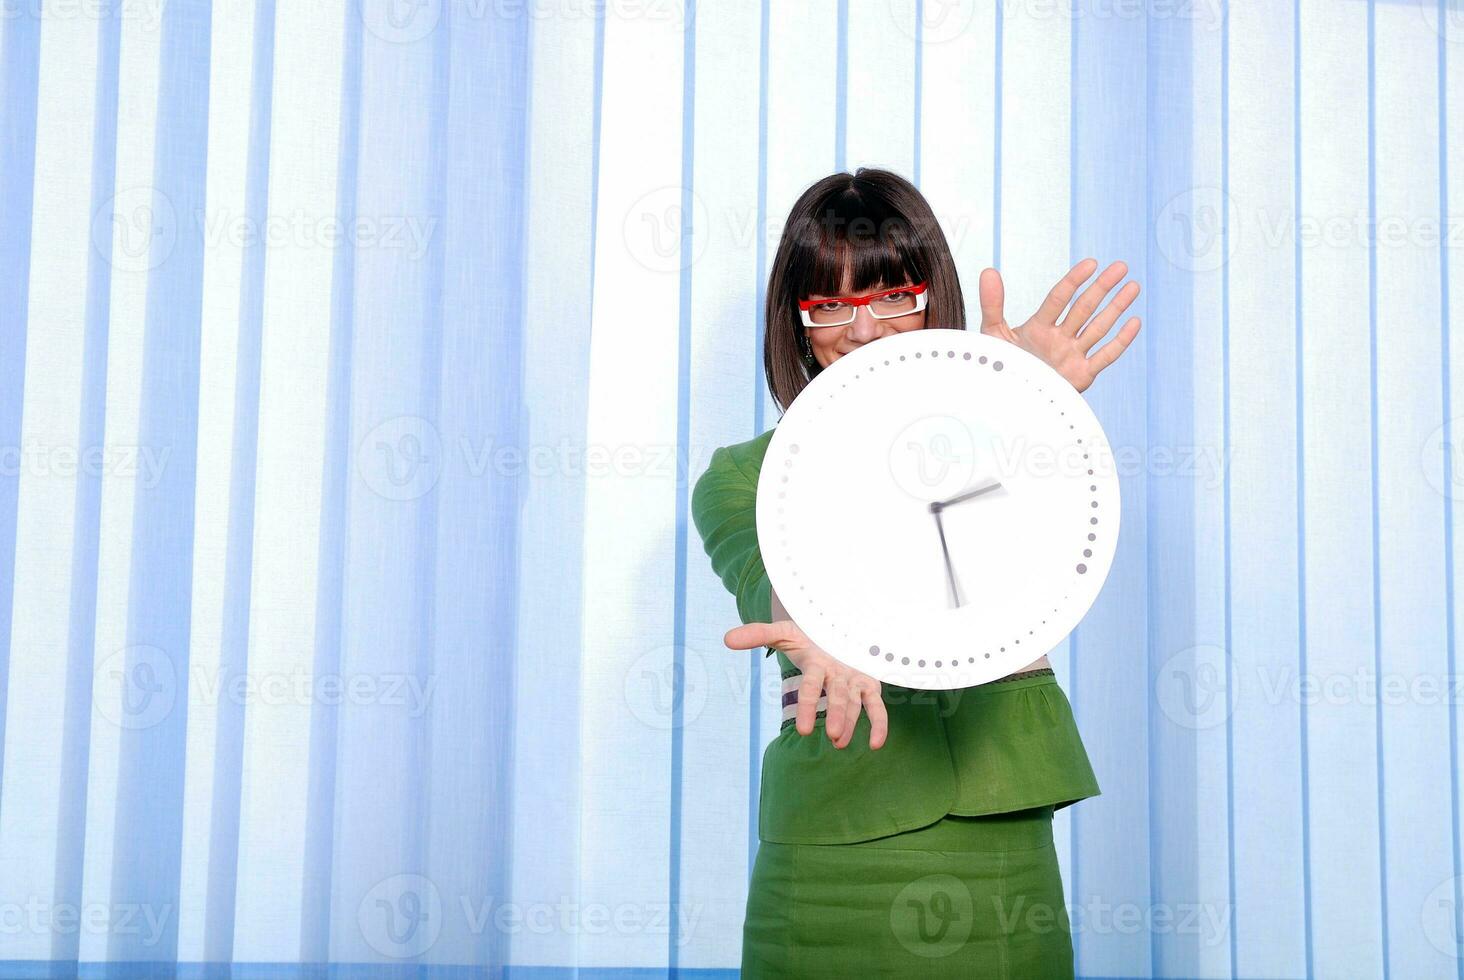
962,897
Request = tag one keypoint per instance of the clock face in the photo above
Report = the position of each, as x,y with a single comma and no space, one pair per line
938,508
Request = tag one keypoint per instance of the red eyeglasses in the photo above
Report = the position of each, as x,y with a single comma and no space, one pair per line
883,305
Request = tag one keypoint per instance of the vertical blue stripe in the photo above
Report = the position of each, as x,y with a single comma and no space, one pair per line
1000,30
430,389
422,609
86,540
507,54
391,542
223,851
759,398
482,300
1173,555
841,88
919,80
1152,541
1075,813
1301,614
1226,491
1107,211
683,489
1372,360
20,55
1448,480
320,819
599,112
149,817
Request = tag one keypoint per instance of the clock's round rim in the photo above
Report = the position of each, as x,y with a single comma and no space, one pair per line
836,376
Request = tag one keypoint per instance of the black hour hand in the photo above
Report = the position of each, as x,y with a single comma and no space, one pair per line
936,506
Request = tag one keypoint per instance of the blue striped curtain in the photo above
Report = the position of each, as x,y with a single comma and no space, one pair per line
357,358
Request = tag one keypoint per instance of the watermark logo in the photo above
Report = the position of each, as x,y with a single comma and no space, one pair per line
938,456
401,916
136,687
1190,229
1445,18
137,227
940,20
402,458
401,21
656,686
1436,451
932,916
657,224
1195,688
1441,920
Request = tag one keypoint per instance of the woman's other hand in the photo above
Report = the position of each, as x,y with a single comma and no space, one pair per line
1064,344
849,691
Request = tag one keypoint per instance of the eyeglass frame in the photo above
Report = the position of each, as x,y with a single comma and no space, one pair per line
919,289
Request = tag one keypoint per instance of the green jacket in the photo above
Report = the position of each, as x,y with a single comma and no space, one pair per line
1007,745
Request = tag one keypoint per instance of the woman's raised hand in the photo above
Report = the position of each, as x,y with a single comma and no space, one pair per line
1064,344
849,691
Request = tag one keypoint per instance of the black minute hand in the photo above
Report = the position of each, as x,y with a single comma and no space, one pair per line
956,601
936,506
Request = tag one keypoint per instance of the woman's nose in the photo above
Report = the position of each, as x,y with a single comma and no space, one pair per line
865,326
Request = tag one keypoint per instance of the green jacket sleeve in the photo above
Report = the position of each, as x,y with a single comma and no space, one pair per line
724,510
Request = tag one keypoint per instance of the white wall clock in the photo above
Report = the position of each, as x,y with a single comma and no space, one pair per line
938,508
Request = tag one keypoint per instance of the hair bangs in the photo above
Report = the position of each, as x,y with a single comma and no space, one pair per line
857,249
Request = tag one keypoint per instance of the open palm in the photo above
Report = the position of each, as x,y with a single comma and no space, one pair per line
1065,344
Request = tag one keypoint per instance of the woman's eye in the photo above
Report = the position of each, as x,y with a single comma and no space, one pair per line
831,306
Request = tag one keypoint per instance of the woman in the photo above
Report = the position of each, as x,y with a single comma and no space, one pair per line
914,837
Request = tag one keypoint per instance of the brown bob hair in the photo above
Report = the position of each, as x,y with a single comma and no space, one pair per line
876,227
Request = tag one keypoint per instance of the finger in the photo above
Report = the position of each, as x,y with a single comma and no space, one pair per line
1097,328
810,690
1109,352
879,722
1058,296
752,636
838,694
851,717
991,294
1088,301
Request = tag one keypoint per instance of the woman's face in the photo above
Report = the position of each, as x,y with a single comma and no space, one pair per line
831,343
